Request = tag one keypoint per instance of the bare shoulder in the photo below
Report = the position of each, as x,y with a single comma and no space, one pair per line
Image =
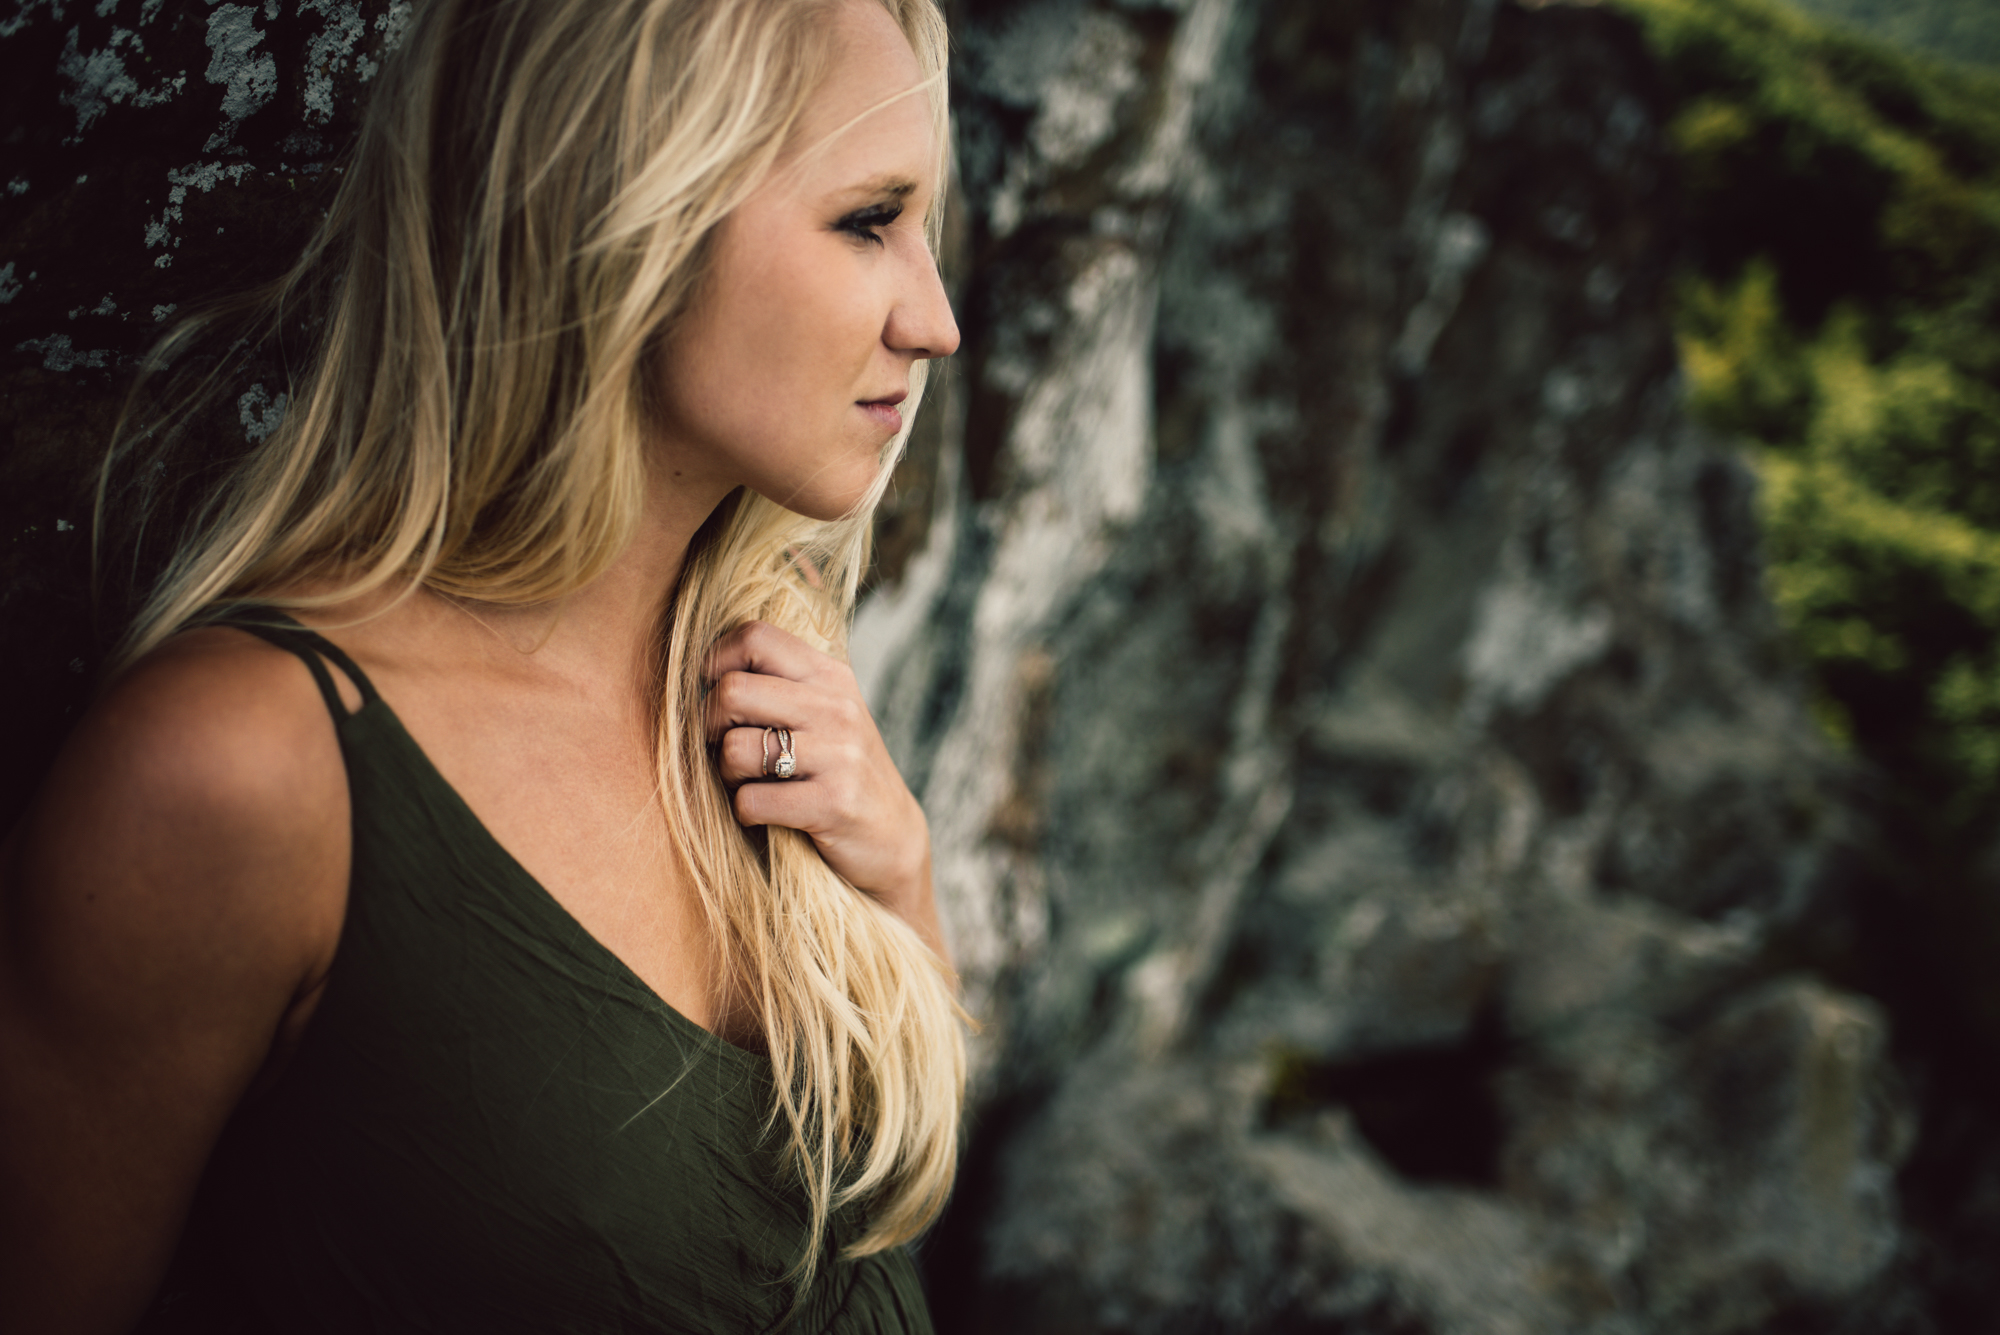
227,715
167,907
198,816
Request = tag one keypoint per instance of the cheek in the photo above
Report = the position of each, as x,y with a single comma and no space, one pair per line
789,338
716,372
820,316
769,404
759,385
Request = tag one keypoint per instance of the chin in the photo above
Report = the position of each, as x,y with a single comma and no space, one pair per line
852,489
825,504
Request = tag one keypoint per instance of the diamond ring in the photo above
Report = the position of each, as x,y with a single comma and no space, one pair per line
788,759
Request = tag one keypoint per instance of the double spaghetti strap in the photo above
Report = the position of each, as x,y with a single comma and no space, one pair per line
314,649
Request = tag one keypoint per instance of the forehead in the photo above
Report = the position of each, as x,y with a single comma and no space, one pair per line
871,106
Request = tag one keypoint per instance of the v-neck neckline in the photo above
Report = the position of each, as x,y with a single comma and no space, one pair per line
497,854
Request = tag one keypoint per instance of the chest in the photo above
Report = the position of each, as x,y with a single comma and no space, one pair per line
491,1124
562,776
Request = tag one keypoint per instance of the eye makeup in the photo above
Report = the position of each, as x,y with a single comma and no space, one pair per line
864,223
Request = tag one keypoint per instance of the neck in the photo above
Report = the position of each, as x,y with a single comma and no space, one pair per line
607,627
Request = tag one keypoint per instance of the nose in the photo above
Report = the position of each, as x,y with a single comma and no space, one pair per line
921,324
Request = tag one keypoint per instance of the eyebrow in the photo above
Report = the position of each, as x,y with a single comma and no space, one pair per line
896,187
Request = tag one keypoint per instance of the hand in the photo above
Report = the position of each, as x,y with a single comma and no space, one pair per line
846,794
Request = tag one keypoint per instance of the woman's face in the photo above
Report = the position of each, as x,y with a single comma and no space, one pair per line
786,374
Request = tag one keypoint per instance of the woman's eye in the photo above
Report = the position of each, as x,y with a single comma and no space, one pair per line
866,223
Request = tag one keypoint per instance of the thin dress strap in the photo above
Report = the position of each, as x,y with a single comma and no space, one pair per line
274,627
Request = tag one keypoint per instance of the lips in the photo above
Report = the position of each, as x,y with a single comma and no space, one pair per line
883,410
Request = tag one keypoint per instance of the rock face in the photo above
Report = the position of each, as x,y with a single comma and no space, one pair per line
1370,814
1372,817
158,154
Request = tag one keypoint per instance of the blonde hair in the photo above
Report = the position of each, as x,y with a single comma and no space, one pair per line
526,214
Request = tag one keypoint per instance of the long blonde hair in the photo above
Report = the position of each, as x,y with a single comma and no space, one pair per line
527,212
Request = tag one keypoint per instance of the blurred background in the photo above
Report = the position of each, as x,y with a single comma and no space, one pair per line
1444,617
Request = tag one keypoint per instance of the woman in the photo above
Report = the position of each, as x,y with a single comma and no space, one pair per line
542,940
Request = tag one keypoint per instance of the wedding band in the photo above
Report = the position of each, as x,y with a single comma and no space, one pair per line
788,759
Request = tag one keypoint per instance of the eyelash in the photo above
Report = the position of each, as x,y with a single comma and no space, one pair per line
863,222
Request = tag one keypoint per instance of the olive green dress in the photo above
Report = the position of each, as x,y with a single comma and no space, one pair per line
492,1125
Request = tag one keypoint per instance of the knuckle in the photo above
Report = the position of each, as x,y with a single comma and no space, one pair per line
731,689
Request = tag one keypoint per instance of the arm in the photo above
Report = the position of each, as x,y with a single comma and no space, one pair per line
175,891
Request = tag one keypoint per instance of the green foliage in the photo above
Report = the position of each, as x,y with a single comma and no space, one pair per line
1841,313
1966,30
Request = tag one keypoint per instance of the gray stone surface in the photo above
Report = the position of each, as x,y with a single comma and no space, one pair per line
1370,809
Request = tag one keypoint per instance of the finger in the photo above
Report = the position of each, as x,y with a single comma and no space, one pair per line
753,700
760,647
742,753
747,754
795,804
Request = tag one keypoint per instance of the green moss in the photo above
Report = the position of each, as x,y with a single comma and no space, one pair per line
1841,315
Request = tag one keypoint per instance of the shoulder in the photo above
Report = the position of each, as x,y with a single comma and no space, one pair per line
217,729
166,909
198,816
